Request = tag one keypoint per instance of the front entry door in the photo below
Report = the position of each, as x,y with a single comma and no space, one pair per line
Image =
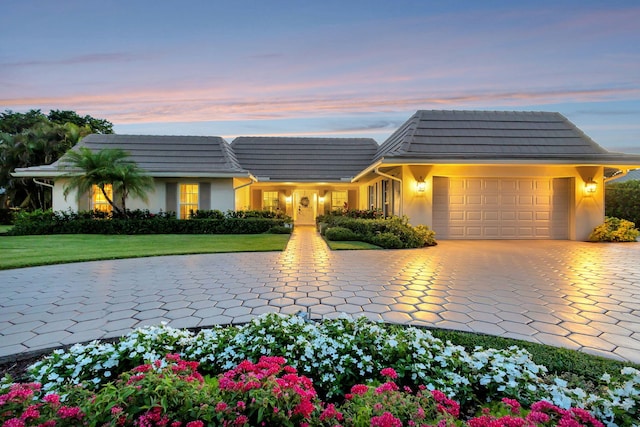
305,207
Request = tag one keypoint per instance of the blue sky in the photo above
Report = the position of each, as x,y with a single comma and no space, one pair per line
322,68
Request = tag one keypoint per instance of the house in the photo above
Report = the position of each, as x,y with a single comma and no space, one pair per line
467,174
632,175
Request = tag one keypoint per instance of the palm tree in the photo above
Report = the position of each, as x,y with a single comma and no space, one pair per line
109,166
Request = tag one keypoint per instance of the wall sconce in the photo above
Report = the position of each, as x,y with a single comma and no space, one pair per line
287,200
321,199
590,186
421,186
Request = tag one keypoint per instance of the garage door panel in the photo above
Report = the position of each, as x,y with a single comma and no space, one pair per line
501,208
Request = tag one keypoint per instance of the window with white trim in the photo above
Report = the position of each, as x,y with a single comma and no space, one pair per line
270,201
339,200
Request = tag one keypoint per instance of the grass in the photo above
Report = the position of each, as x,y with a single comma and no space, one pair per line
349,245
5,228
28,251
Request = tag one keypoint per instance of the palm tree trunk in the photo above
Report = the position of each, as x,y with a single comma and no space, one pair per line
104,193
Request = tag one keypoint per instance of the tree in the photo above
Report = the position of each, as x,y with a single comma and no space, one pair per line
66,116
108,166
34,139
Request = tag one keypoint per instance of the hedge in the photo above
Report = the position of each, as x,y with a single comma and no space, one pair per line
622,200
139,222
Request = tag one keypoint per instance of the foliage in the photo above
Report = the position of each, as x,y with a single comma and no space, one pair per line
280,229
338,353
171,391
622,200
614,230
24,405
6,216
34,139
387,404
340,234
265,393
388,233
137,222
109,166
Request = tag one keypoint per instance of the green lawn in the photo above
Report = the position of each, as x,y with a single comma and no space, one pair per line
27,251
349,245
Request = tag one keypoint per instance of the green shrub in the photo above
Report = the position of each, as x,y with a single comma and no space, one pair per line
387,241
280,229
427,235
341,234
614,230
139,222
622,200
369,230
210,214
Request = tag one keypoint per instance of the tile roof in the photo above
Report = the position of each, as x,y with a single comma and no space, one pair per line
304,159
167,155
435,134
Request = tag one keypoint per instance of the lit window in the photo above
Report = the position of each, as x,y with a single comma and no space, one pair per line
188,200
98,201
338,200
270,201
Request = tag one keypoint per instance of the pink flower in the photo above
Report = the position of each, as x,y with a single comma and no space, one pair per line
221,407
386,420
304,408
14,422
359,389
390,373
52,399
197,423
67,412
386,387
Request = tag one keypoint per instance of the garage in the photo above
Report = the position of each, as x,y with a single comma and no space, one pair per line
501,208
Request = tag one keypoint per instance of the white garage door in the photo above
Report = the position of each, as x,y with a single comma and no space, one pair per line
501,208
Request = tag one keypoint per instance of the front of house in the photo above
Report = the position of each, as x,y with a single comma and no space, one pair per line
466,174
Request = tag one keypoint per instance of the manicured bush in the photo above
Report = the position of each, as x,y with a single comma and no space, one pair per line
622,200
614,230
280,229
140,222
377,231
386,241
340,234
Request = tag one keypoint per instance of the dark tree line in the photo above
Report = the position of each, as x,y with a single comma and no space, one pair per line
33,139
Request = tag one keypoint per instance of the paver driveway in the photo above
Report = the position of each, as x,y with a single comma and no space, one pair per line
578,295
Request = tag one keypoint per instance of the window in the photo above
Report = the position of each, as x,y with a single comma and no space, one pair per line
98,201
270,201
338,200
188,200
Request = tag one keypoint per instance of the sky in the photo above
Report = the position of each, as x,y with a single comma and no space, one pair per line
322,68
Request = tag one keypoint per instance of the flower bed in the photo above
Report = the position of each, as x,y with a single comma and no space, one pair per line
325,360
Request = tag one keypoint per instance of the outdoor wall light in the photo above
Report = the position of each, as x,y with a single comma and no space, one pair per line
288,199
321,199
421,186
590,186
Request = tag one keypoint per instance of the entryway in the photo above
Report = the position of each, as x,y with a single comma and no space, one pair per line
305,207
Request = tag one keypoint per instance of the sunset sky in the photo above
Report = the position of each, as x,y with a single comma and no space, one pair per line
322,68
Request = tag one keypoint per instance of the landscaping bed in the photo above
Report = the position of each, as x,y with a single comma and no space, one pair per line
370,373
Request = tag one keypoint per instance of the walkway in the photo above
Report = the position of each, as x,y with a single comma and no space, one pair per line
578,295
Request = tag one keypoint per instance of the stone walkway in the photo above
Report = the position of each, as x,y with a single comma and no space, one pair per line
577,295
